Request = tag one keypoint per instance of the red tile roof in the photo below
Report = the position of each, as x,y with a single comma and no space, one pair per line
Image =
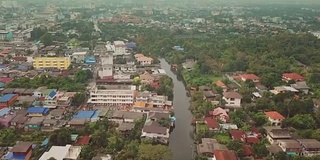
247,150
232,94
250,76
5,51
82,141
212,122
253,140
237,135
21,59
274,115
221,84
225,155
5,80
293,76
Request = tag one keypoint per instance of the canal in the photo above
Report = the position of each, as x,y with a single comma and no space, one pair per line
181,142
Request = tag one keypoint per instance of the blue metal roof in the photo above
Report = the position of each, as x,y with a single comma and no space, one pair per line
3,66
22,67
4,111
10,155
40,110
96,114
84,114
52,94
7,97
45,142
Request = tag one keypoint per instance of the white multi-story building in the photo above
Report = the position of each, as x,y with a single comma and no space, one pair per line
106,64
111,95
125,68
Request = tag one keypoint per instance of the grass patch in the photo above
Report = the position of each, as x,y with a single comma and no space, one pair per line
222,138
201,127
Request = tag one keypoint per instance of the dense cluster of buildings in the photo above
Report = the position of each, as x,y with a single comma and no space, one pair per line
112,95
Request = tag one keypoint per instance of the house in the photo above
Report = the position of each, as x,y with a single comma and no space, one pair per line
301,86
125,116
248,152
261,88
274,117
78,57
246,77
292,77
212,123
6,116
156,116
37,111
154,131
49,125
208,145
189,64
39,91
28,92
310,147
81,141
8,91
146,78
50,100
283,89
126,128
221,114
62,152
19,91
222,85
290,146
91,116
77,123
7,100
238,135
34,123
232,99
25,100
19,119
275,133
143,60
56,114
224,155
212,97
20,151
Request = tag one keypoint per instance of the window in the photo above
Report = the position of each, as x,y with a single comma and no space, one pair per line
232,99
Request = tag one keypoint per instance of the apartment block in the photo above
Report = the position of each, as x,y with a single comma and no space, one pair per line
51,62
111,95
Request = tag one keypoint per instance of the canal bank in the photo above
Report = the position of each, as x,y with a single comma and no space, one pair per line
181,142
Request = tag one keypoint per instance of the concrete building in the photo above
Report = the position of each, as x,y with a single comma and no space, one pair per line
79,57
51,62
62,152
105,70
110,95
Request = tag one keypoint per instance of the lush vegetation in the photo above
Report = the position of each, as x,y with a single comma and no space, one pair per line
77,84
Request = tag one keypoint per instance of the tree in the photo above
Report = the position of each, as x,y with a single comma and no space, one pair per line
260,149
302,121
87,152
78,99
46,39
61,137
236,146
259,119
153,152
37,32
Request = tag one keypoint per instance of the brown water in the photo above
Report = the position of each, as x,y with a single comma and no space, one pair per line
181,142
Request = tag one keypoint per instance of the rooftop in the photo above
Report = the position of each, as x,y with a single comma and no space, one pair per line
126,127
84,114
7,97
274,115
21,147
40,110
4,111
232,94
